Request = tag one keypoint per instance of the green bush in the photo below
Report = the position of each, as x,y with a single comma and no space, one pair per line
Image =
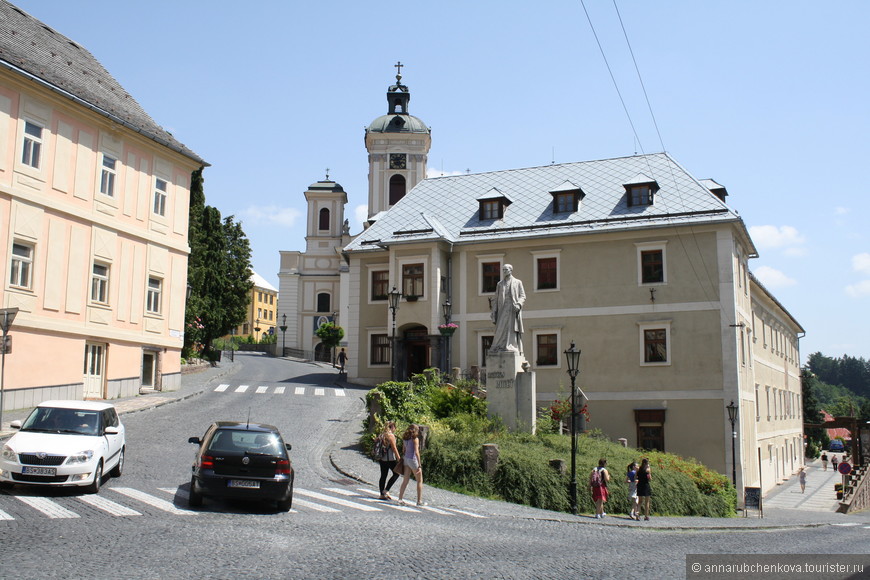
459,428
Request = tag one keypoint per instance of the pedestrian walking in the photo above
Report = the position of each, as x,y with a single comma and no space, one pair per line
834,461
824,461
413,466
644,489
342,358
631,480
802,478
389,459
598,483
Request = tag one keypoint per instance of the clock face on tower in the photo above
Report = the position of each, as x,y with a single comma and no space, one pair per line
398,161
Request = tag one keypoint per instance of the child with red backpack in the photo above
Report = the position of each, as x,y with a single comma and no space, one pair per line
598,480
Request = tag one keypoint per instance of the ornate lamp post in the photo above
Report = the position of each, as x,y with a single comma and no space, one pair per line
7,315
447,310
257,331
573,358
732,416
283,328
394,305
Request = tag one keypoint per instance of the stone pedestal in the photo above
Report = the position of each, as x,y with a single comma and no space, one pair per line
510,391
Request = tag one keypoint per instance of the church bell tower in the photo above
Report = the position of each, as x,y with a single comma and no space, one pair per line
398,145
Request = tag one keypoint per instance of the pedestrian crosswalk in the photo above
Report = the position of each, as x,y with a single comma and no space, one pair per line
126,502
280,390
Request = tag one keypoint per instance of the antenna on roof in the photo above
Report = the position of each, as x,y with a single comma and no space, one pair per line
553,158
248,426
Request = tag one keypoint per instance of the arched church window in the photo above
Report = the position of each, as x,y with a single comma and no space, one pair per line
324,219
397,188
323,302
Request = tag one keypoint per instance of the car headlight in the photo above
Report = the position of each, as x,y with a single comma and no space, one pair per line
80,457
9,453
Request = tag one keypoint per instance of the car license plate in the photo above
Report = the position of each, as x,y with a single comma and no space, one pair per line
244,483
49,471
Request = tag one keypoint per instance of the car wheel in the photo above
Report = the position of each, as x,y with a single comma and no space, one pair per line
94,487
194,498
284,505
119,468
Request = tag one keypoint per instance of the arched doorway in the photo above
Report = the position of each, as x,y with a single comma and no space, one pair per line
416,342
322,353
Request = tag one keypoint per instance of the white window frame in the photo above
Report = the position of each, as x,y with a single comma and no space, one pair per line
480,335
647,247
108,174
160,193
100,283
543,254
426,269
21,266
669,350
379,267
538,331
371,332
31,151
480,262
154,296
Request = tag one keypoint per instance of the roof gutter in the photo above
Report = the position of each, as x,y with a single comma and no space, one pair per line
101,112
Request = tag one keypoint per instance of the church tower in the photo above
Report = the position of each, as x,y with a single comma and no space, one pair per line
398,146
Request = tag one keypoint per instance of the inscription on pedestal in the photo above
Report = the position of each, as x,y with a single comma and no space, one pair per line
504,384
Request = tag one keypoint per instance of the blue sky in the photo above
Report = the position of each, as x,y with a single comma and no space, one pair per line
767,98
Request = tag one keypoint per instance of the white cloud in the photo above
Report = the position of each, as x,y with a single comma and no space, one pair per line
432,172
840,210
859,290
772,278
776,237
861,263
271,215
360,215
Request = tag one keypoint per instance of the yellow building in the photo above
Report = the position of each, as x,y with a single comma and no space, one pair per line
94,202
261,319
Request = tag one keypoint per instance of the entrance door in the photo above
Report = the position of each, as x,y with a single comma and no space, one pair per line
149,369
95,365
416,351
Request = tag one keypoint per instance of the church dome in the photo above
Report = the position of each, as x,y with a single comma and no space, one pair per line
398,124
325,186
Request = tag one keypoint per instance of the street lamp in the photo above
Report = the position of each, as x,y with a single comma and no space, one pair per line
573,358
732,416
394,305
7,315
335,328
257,331
283,328
447,310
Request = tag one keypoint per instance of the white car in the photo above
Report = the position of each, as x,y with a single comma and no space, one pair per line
65,443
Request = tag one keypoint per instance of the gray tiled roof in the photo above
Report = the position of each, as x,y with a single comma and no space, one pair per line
452,203
29,46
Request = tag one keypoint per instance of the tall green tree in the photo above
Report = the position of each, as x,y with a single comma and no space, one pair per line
218,272
330,335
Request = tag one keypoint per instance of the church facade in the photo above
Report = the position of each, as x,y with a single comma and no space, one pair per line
641,265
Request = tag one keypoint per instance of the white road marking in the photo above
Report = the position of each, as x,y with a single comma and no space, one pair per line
339,393
336,500
109,506
465,513
5,516
48,507
156,502
279,390
313,506
242,388
319,392
221,388
299,391
261,389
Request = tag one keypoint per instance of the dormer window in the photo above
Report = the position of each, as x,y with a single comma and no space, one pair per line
492,205
566,198
641,190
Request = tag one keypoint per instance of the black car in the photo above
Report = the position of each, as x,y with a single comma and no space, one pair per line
242,461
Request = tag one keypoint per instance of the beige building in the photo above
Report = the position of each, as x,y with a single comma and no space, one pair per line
639,263
94,202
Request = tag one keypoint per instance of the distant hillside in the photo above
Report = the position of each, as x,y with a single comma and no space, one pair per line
841,385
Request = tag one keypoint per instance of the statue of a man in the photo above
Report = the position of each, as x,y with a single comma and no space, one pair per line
506,313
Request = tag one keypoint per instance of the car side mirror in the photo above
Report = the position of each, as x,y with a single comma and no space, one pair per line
288,446
15,424
194,440
111,431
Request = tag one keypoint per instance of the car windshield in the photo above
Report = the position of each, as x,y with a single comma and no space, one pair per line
250,442
55,420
